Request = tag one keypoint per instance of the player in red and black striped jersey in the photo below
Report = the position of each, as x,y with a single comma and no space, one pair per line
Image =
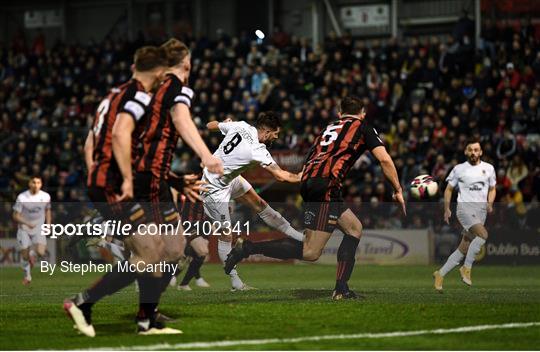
338,147
326,165
104,178
167,120
128,102
130,98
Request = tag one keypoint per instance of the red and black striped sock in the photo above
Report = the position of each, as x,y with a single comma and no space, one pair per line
345,261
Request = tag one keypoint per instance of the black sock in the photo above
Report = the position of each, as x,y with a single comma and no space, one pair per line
149,294
168,275
109,283
198,271
193,270
345,260
189,251
285,248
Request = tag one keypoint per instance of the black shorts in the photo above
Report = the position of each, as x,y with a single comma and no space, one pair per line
323,204
104,200
154,195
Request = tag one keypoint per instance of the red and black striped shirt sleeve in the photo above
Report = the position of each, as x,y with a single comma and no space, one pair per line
177,93
135,102
372,139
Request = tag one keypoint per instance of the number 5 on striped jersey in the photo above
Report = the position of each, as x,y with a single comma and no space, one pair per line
330,135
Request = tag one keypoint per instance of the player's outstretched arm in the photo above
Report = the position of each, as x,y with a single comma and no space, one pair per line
447,199
390,172
121,145
88,150
283,175
189,133
213,126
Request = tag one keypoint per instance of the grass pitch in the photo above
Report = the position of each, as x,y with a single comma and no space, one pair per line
291,301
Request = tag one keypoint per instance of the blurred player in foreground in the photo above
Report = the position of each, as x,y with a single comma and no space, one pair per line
128,101
169,118
475,180
31,210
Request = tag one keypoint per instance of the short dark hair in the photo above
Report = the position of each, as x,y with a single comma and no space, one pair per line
34,176
268,119
350,105
149,57
473,141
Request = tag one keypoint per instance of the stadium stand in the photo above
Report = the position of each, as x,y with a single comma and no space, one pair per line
426,96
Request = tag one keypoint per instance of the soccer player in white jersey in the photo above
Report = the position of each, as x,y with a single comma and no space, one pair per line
242,148
31,210
475,181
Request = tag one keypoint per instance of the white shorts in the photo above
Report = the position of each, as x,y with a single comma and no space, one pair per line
26,239
471,215
216,200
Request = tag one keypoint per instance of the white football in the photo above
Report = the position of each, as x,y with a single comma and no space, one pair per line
423,187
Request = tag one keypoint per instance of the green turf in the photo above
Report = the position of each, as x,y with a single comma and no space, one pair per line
291,301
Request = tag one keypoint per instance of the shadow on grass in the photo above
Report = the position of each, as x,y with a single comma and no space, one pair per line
312,293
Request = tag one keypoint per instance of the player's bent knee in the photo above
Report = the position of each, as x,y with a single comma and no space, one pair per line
350,224
481,232
202,252
200,246
464,246
355,231
41,249
173,254
311,255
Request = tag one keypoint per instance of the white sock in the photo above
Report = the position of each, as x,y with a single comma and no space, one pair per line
274,219
224,248
236,281
474,249
453,260
26,268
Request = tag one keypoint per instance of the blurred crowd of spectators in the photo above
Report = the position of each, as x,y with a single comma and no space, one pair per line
426,96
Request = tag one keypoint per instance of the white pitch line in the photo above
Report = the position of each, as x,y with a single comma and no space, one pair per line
216,344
